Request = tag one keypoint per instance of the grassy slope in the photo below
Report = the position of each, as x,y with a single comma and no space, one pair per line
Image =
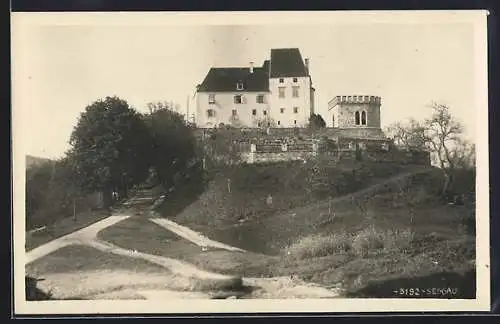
76,258
236,217
63,227
304,241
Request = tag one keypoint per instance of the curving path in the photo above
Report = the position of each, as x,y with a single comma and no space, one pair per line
192,236
278,287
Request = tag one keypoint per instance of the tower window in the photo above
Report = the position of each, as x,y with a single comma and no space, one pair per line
279,123
363,118
254,112
282,110
356,117
237,99
281,80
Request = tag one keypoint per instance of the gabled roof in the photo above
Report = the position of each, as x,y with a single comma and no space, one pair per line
226,79
287,62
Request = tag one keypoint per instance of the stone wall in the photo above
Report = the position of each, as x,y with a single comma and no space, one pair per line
257,146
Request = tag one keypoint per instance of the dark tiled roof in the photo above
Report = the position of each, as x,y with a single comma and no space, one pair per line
287,62
225,79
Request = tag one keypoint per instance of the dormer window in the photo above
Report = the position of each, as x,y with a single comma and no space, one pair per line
239,86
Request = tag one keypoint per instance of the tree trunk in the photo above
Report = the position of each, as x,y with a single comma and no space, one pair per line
107,197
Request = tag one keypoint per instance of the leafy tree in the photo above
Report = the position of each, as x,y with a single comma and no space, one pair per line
110,147
316,121
173,142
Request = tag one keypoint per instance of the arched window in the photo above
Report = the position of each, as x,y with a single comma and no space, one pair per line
363,118
356,116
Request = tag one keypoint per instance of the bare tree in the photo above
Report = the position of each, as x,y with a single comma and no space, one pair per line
409,135
443,133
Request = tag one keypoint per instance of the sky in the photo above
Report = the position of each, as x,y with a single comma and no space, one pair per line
60,69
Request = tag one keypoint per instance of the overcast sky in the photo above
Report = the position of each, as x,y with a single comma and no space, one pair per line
58,70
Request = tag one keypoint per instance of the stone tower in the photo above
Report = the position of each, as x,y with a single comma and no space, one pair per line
356,115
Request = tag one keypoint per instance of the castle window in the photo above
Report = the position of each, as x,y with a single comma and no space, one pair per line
254,112
281,92
260,99
295,122
237,99
294,79
211,98
363,118
282,80
295,110
295,92
356,117
282,110
264,112
210,113
279,123
234,112
239,86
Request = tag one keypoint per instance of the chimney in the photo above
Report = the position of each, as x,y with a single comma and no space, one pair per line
306,62
251,67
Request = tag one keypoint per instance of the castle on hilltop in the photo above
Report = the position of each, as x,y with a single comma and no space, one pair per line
264,113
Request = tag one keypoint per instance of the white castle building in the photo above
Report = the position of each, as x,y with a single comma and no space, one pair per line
277,94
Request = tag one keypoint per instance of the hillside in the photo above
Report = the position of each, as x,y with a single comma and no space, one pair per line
258,192
388,229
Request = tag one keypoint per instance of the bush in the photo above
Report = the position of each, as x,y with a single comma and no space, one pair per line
376,240
315,246
367,241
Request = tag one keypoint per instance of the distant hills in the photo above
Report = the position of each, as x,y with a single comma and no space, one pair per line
32,161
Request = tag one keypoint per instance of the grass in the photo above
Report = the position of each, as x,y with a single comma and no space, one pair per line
63,227
97,273
138,233
394,230
78,258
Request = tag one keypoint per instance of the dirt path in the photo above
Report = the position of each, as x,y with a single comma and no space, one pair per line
78,237
111,285
193,236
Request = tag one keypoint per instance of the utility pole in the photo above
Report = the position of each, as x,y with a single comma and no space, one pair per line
187,109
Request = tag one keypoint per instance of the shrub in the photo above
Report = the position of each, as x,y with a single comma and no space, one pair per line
321,245
376,240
